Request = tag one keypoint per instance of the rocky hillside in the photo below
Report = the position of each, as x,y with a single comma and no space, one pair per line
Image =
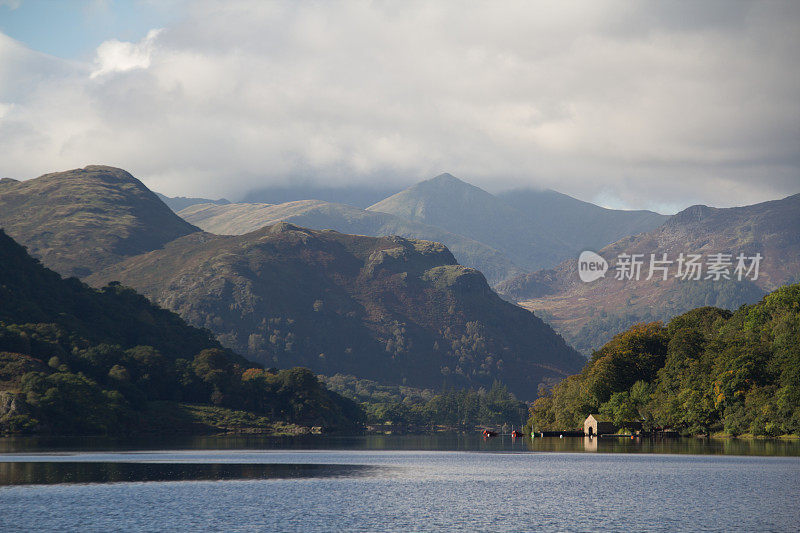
82,220
237,219
389,309
588,314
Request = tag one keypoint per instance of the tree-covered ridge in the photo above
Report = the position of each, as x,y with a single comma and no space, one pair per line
708,370
388,309
32,294
75,360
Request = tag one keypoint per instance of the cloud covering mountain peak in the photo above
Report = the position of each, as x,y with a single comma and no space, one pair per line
644,104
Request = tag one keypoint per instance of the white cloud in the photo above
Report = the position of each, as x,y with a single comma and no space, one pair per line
648,104
117,56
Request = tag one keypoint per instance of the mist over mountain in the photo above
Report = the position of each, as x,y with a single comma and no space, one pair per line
81,220
581,225
390,309
182,202
355,195
588,314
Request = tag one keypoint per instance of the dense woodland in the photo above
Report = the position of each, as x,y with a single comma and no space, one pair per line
416,409
706,371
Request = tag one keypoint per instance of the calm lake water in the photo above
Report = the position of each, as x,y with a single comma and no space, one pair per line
398,484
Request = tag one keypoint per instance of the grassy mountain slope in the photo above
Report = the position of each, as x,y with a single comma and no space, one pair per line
388,309
82,220
588,314
75,360
237,219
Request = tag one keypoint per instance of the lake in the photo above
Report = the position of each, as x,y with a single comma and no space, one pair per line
393,483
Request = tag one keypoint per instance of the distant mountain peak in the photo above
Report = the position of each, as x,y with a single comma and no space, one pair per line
692,213
284,227
105,168
446,180
99,171
445,176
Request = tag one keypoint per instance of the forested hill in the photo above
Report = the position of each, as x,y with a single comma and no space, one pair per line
114,314
389,309
708,370
81,220
75,360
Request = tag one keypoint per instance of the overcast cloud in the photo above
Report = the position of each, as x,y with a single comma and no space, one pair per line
628,104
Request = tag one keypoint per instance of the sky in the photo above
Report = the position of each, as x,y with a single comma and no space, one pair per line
637,105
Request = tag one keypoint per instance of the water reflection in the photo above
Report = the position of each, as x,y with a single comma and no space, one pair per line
438,442
47,473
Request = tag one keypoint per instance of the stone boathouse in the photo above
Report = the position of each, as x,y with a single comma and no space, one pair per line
595,425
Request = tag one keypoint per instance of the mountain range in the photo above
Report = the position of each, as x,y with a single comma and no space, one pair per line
378,298
535,229
502,236
399,310
237,219
588,314
389,309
